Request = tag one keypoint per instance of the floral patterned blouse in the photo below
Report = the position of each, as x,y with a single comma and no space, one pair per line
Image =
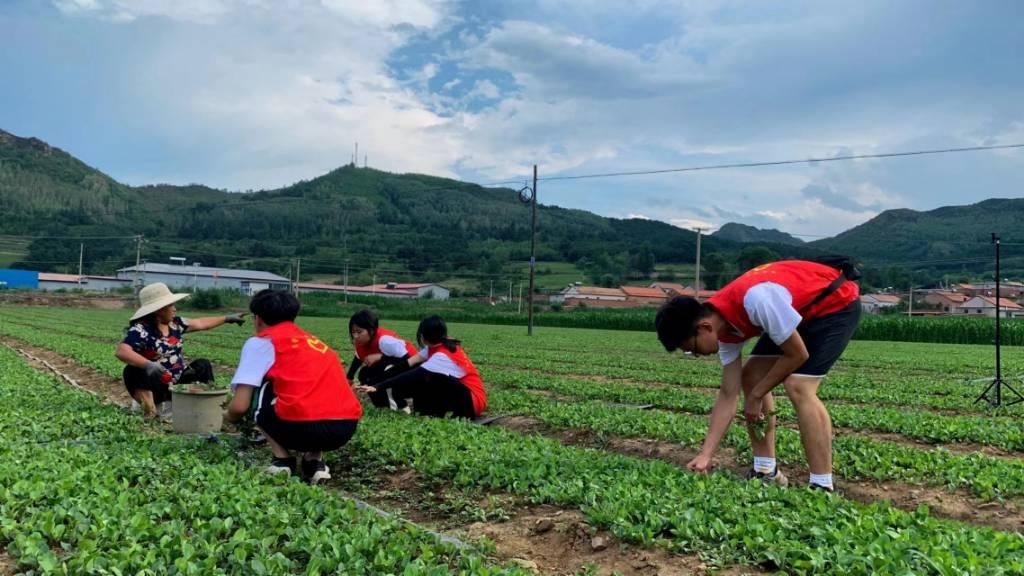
147,341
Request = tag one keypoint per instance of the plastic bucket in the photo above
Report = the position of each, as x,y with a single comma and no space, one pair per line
198,412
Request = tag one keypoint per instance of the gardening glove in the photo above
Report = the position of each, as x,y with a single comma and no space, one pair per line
155,370
235,318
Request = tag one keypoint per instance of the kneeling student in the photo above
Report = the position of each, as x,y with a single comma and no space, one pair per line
380,354
444,380
303,400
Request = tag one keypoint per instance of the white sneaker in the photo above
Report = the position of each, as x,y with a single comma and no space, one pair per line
407,410
315,471
281,466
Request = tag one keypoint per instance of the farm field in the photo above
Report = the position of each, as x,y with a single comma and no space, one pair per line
577,479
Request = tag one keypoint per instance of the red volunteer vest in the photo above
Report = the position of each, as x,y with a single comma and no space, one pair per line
373,347
804,281
309,380
472,378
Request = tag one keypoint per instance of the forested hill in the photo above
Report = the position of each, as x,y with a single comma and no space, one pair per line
952,241
423,225
749,234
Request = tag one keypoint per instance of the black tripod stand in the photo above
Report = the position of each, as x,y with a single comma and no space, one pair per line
994,391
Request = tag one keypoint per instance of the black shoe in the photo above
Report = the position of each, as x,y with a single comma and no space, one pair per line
822,488
315,471
774,477
282,465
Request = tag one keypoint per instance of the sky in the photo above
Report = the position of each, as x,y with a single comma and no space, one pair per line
257,94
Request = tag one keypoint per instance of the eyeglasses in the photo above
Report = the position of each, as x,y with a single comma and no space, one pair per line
692,350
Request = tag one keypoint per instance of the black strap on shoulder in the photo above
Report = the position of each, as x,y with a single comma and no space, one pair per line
839,281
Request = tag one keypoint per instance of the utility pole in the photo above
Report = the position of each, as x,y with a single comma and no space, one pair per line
492,291
373,285
346,281
696,283
81,252
298,276
533,253
520,310
138,256
509,291
910,304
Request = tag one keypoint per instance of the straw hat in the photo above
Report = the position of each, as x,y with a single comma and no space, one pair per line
154,297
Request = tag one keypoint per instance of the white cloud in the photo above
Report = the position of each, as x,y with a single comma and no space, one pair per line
637,217
692,223
484,89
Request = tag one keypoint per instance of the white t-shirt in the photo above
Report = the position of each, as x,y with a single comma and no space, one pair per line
391,346
257,359
441,364
770,307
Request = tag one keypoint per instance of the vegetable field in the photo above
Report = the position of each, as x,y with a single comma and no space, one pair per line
586,474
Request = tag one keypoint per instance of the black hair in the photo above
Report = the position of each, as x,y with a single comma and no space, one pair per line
366,320
274,306
433,330
677,319
149,321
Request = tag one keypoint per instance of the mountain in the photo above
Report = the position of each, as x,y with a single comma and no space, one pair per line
748,234
952,240
367,221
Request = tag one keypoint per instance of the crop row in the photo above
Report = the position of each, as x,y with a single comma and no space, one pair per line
1003,432
943,360
999,431
84,489
646,502
855,457
861,385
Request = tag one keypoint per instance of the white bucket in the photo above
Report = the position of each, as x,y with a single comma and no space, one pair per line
198,412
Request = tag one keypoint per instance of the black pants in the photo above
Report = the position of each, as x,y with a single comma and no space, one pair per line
433,394
387,367
198,370
300,436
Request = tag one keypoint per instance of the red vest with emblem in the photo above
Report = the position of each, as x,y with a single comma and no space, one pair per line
373,347
804,281
472,378
309,380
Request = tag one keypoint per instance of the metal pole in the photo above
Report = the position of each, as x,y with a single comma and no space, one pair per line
298,276
533,254
346,281
696,282
138,255
520,310
910,306
81,251
999,366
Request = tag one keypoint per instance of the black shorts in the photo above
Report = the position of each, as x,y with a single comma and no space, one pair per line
825,338
301,436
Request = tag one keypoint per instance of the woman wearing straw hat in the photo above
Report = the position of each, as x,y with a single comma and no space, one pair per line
152,348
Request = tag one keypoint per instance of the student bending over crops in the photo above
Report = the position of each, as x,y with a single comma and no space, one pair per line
380,354
152,348
444,380
303,401
803,314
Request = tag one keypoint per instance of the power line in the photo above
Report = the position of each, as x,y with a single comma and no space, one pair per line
782,162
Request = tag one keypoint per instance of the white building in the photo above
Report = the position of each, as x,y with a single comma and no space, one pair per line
180,277
389,290
986,305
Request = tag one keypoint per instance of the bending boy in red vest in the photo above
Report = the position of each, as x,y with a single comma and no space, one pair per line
303,400
801,335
